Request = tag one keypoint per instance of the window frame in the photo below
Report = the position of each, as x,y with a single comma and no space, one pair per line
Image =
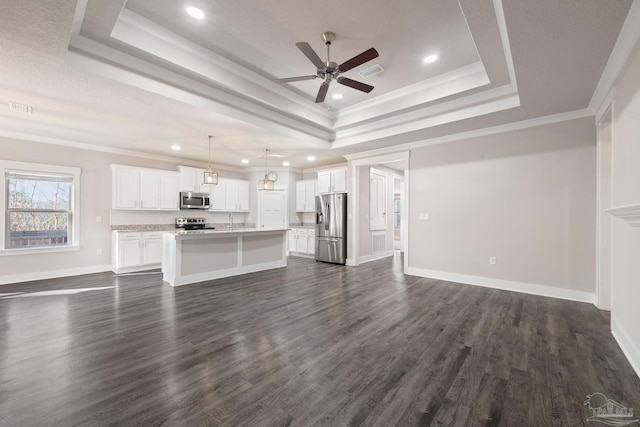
74,206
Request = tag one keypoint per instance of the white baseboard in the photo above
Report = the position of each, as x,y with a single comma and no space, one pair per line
627,346
52,274
507,285
374,257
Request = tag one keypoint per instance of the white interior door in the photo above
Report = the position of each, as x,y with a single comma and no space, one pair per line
273,212
377,200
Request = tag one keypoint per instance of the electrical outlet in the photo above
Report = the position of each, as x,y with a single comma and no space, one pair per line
492,260
98,219
424,216
98,251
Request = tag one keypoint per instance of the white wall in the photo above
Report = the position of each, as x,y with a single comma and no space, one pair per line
526,197
625,310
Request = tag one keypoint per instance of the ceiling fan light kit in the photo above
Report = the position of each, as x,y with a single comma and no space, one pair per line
329,70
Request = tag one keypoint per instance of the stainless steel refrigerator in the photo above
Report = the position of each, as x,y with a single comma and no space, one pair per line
331,228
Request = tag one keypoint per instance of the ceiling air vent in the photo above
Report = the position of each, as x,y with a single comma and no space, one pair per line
21,108
371,71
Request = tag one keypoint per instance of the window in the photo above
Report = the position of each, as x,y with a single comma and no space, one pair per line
39,207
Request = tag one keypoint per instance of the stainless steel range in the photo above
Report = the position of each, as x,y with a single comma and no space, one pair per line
193,224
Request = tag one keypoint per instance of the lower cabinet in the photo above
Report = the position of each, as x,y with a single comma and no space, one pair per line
135,251
302,241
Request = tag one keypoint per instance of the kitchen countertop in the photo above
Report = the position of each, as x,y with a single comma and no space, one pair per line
222,230
166,227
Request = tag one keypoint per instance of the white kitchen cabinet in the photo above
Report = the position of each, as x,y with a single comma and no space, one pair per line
243,196
151,248
218,195
169,190
332,181
144,189
136,251
129,252
125,188
292,240
301,241
149,189
230,195
191,180
305,195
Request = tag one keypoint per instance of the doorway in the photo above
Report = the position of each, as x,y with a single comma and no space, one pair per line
364,243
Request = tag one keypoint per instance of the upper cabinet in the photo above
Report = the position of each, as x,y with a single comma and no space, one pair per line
305,195
191,180
332,181
230,195
144,189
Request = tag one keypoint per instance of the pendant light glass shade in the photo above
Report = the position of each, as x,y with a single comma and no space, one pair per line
266,184
209,177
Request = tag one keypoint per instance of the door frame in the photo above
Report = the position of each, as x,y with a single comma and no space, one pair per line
354,168
604,254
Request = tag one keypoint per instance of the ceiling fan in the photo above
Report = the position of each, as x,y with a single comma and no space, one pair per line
330,70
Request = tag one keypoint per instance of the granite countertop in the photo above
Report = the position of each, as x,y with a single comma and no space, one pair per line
169,227
222,230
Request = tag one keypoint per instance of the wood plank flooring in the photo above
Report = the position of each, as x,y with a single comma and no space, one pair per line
311,344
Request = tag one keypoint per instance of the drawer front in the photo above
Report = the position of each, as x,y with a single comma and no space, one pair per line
152,235
129,236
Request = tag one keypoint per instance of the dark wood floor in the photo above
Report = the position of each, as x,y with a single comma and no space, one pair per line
310,344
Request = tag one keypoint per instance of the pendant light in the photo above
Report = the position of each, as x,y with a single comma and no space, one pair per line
266,184
209,177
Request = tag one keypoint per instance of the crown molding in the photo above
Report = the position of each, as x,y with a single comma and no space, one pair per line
415,95
486,102
493,130
97,58
112,150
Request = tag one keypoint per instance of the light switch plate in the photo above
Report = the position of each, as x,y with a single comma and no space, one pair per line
424,216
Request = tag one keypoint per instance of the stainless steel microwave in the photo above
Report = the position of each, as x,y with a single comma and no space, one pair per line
192,200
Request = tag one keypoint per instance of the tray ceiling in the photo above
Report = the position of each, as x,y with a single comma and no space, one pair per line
143,74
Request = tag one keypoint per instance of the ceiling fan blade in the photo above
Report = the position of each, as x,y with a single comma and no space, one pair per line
365,56
310,53
354,84
322,93
296,79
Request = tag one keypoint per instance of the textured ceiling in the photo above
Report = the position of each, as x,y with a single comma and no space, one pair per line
143,75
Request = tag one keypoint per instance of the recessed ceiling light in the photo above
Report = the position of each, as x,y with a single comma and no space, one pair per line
245,161
285,163
194,12
311,158
430,59
337,96
175,147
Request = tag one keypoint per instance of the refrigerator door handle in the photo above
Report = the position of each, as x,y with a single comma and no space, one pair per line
326,225
318,217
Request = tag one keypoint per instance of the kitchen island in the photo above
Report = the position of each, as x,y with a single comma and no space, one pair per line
198,255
